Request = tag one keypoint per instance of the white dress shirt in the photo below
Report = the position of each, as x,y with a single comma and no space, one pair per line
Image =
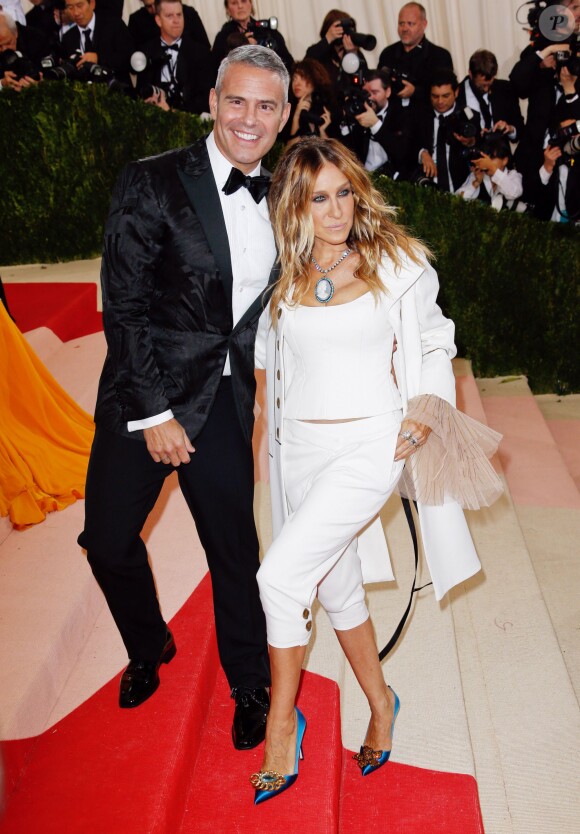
15,10
252,251
168,70
506,182
376,155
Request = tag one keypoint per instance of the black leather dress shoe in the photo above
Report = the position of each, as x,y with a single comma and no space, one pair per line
251,712
141,677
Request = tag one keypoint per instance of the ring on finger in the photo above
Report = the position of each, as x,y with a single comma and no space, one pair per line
413,440
406,435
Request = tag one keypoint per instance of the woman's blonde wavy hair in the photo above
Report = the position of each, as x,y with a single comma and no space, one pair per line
374,234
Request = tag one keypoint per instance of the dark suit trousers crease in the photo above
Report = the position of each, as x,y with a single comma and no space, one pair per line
123,484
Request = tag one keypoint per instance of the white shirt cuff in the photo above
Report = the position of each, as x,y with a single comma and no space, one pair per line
150,422
376,127
544,176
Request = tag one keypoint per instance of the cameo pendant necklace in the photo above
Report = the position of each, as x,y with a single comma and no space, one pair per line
324,289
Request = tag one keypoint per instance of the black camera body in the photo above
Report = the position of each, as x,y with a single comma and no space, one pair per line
568,140
351,95
398,79
366,42
462,122
569,58
262,31
494,144
16,62
312,118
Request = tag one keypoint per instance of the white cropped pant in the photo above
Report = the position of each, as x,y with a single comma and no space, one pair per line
337,476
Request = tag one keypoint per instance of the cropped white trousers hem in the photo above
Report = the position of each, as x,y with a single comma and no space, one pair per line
337,476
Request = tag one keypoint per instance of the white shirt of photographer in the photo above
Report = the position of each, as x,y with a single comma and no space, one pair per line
376,155
252,251
507,182
14,9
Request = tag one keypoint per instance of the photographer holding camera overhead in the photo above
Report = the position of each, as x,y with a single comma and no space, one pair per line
537,76
21,52
242,23
338,36
443,132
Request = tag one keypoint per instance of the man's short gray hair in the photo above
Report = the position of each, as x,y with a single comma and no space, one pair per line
9,21
422,10
260,57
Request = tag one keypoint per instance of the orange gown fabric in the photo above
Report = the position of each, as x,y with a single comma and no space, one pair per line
45,437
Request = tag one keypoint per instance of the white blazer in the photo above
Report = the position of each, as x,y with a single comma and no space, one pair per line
422,361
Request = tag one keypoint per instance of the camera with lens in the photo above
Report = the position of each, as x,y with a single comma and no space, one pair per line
569,58
13,61
494,144
538,39
462,122
141,62
352,97
314,116
398,79
366,42
568,139
262,31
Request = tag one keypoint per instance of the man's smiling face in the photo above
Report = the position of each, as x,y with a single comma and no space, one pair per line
248,114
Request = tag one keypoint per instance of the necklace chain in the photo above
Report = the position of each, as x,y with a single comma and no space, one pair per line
317,266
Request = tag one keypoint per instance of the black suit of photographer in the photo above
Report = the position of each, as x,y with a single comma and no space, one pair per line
425,137
545,198
221,47
503,104
111,41
419,64
33,44
194,74
394,136
143,27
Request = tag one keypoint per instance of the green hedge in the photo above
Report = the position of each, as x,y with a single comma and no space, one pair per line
510,283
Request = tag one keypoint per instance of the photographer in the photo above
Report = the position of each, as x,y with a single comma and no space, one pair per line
20,71
143,27
242,23
554,188
311,103
179,72
378,135
536,76
97,39
492,180
413,56
335,42
443,132
495,100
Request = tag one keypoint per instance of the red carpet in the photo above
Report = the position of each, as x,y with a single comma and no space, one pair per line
69,310
169,767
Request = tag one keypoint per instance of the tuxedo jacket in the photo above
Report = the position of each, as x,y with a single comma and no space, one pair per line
394,136
544,198
143,28
420,63
32,43
221,48
504,102
112,43
167,298
425,136
193,72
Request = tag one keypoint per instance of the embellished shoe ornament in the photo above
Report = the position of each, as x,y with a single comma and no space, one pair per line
269,783
370,760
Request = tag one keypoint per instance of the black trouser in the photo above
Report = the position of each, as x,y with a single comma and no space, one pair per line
123,484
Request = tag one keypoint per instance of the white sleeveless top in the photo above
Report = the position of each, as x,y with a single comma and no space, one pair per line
341,361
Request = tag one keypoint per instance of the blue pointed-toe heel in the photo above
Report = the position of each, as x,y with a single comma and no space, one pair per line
269,783
370,760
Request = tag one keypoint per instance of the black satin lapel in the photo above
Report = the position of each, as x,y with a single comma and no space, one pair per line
203,195
259,303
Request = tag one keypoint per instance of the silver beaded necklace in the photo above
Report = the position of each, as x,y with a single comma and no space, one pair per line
324,289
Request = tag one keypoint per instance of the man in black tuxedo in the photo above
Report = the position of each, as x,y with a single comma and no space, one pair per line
188,252
32,44
177,65
143,27
494,99
442,133
379,136
414,55
101,39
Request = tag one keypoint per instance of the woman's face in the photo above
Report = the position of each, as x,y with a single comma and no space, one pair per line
239,10
332,206
301,86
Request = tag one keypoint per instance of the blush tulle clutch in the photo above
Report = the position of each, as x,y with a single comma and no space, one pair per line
453,465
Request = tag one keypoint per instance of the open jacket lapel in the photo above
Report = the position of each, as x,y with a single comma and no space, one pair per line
198,181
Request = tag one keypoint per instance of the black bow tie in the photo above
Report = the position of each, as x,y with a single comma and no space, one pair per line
257,186
170,47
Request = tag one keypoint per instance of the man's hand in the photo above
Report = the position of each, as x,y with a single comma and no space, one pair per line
429,167
568,81
550,156
88,58
10,81
408,89
168,443
159,100
504,127
487,164
547,54
419,432
368,118
477,175
334,32
466,141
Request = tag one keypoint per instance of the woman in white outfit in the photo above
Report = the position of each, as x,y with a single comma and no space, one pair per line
353,333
